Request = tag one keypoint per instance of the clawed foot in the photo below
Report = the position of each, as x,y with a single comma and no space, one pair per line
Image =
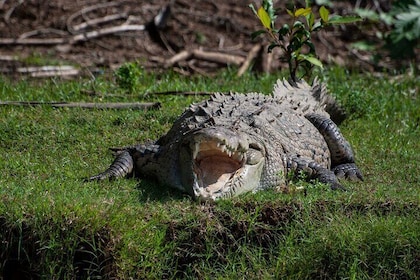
348,171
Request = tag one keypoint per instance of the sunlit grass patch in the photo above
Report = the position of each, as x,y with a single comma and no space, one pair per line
57,226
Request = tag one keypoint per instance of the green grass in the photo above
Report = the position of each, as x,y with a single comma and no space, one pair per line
55,226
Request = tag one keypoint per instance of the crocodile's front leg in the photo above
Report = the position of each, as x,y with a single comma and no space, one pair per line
127,162
348,171
122,166
313,170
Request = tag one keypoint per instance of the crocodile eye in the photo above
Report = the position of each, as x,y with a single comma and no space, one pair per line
254,154
256,146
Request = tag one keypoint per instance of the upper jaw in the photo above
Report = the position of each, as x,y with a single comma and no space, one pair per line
223,164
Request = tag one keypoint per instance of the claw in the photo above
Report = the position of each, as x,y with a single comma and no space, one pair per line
348,171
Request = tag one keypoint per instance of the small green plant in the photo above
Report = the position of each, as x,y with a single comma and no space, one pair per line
128,76
294,38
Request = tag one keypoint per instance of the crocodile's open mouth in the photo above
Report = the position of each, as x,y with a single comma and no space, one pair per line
216,164
223,164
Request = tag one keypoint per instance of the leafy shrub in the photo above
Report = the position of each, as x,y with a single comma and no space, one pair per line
404,18
406,33
128,76
294,38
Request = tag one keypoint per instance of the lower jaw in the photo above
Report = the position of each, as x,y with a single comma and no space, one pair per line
201,193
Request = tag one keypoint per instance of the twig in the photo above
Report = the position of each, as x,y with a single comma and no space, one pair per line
2,3
251,55
97,21
73,39
218,57
32,69
105,31
177,92
183,55
11,10
267,61
89,9
135,105
181,71
42,31
197,69
55,73
8,58
34,41
45,71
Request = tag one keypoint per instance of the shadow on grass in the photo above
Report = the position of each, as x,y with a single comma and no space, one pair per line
150,190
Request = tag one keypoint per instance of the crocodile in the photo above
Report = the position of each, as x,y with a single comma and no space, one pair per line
235,143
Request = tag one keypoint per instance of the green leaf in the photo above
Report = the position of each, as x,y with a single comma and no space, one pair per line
284,30
298,25
311,20
407,23
313,60
257,33
303,12
324,14
368,14
301,33
290,12
264,18
271,47
343,20
311,46
317,26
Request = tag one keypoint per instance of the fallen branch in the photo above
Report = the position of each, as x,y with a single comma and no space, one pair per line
55,73
97,21
43,71
250,57
42,31
183,55
134,105
75,38
49,71
176,92
217,57
106,31
85,10
9,58
34,41
169,92
9,13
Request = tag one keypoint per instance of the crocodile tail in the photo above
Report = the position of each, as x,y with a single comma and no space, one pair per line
320,92
309,99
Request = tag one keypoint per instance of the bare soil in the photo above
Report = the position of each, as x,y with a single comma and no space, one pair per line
98,34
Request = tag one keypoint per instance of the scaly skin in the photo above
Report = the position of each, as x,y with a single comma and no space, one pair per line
236,143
